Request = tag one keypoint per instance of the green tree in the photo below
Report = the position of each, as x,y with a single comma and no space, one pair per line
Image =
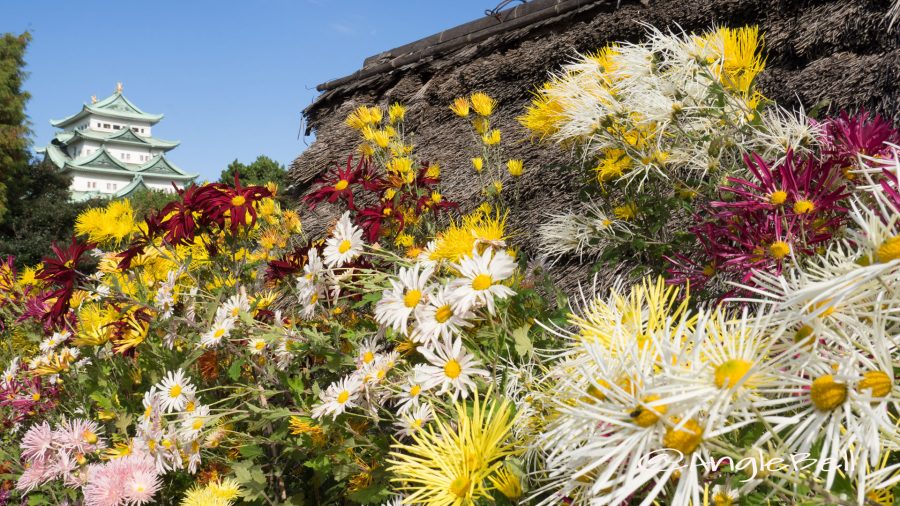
145,200
260,172
40,213
15,132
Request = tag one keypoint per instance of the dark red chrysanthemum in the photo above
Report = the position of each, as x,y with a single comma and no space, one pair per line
61,272
218,202
287,265
891,186
373,219
339,184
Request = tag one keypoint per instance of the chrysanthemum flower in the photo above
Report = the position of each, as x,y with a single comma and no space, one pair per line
447,464
220,331
338,397
345,243
480,280
413,420
451,367
174,391
339,185
408,292
438,319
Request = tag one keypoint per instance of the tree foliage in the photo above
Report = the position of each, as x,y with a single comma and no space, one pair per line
39,213
260,171
14,128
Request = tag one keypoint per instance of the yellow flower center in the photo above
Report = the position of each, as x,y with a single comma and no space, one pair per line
804,207
452,369
805,336
827,394
460,486
343,397
890,250
190,407
685,439
879,383
722,499
344,246
443,313
219,333
412,298
260,345
731,372
368,357
89,437
175,391
341,185
238,201
198,424
482,282
647,416
777,197
35,397
414,390
779,249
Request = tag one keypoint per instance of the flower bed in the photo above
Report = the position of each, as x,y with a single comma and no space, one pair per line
213,353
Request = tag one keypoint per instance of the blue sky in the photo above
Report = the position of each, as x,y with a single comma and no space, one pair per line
231,77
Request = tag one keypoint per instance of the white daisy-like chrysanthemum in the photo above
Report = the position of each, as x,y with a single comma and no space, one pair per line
234,306
408,292
413,420
345,243
257,346
480,280
174,391
220,331
451,367
338,397
193,422
9,374
50,344
368,351
437,319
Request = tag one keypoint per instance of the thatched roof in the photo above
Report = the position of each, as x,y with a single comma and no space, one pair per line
840,50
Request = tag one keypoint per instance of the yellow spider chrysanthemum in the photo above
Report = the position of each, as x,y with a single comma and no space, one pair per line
641,312
449,465
396,112
740,57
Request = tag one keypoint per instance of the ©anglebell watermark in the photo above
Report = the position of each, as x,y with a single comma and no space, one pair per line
670,459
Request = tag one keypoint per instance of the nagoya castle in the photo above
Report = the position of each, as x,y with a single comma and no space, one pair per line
109,149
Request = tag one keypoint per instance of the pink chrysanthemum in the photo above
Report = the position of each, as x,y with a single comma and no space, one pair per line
37,444
36,474
128,480
80,436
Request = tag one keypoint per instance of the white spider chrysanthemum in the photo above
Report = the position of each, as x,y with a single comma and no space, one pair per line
338,397
345,243
782,131
413,420
480,280
438,319
584,234
614,431
722,364
220,331
408,292
451,367
835,399
174,391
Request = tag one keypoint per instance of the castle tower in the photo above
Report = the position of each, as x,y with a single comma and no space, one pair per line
109,149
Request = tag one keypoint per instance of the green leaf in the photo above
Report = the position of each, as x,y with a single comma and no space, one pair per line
234,370
523,345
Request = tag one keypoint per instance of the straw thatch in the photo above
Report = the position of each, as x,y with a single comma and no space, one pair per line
838,50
